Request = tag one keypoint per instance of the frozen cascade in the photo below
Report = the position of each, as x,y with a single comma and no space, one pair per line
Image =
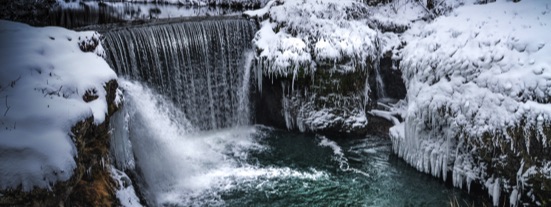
198,65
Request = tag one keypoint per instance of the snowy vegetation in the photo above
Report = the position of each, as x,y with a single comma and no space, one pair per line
478,82
296,36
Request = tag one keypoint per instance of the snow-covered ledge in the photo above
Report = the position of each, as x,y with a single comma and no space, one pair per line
479,92
320,52
56,93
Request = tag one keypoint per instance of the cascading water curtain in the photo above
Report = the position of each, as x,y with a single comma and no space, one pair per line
198,65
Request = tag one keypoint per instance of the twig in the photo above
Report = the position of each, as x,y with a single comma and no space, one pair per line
432,15
12,84
7,107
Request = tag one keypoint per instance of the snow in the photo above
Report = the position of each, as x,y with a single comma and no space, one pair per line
385,115
481,69
260,13
43,77
125,192
302,34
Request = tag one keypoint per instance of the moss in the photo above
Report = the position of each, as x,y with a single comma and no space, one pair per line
96,187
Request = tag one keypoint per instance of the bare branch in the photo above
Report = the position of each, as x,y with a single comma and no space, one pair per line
12,84
7,107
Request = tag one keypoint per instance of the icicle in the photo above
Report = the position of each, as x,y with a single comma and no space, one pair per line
496,192
259,78
285,102
513,198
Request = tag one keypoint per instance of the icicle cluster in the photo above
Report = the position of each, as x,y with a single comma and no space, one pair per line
479,84
310,112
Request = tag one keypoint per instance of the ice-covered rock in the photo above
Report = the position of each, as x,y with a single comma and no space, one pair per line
321,51
478,91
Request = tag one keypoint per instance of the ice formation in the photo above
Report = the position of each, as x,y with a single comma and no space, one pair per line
479,82
43,78
317,40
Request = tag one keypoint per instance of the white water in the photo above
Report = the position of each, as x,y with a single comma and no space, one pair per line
179,164
201,66
339,156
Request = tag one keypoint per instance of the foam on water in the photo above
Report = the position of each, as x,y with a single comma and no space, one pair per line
180,165
339,156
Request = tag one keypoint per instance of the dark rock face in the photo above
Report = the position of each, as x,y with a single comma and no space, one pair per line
268,108
394,86
326,102
511,153
294,105
378,126
91,184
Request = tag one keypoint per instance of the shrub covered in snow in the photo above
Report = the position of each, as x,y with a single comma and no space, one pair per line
299,35
479,92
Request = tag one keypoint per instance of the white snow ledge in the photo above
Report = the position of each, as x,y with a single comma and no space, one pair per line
43,77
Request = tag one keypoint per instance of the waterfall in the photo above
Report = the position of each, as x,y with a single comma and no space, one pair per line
198,65
175,163
381,93
182,82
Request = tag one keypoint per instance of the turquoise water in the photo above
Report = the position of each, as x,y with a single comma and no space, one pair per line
363,173
178,165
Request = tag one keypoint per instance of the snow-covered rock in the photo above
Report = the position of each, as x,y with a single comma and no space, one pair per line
322,51
47,86
479,90
300,35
